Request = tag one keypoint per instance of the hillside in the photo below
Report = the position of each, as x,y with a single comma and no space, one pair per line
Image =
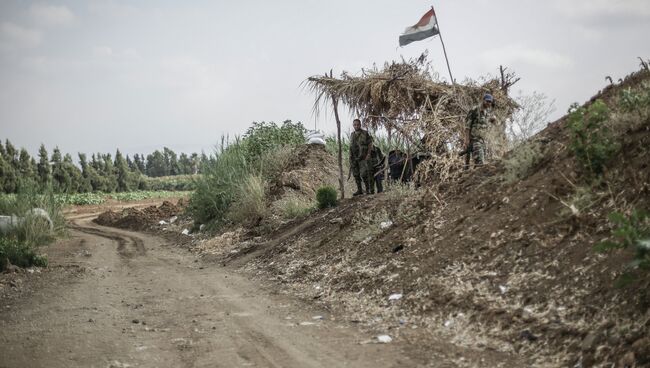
505,267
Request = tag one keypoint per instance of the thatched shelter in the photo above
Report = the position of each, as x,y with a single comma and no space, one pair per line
405,98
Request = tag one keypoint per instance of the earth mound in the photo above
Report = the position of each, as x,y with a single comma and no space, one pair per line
491,263
140,219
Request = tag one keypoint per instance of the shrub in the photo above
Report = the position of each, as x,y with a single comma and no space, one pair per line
249,206
630,231
19,254
264,137
217,188
326,197
520,162
636,100
591,139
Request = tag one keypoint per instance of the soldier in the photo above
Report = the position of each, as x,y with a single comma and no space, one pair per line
361,159
478,120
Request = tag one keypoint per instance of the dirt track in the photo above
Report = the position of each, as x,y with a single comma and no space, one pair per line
144,303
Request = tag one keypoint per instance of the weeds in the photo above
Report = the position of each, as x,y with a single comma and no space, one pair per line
295,207
250,202
591,139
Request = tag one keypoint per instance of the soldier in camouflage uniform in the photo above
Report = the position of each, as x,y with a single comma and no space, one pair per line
478,121
361,162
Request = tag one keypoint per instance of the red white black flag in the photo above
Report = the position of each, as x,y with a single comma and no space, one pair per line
425,28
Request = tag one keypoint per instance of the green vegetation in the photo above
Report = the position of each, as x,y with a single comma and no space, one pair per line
233,183
592,141
99,173
630,231
326,197
18,244
521,161
293,207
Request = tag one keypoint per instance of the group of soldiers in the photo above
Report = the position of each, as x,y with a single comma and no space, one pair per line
365,157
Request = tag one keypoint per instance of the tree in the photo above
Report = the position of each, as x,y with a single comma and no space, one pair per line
74,176
59,178
11,154
184,164
531,117
108,172
171,162
43,167
122,172
156,164
8,180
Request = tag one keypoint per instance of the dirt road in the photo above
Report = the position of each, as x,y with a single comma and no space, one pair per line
143,303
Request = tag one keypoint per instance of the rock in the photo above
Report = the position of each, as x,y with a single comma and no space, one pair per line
136,321
526,334
641,349
397,248
627,361
337,220
590,341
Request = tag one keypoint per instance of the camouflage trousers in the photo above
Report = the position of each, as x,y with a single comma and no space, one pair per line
362,170
478,151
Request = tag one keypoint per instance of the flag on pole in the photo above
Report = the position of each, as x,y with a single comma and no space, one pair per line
425,28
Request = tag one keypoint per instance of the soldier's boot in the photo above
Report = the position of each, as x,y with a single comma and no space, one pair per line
359,189
380,186
370,187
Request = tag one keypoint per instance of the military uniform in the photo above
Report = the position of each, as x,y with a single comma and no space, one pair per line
362,168
478,121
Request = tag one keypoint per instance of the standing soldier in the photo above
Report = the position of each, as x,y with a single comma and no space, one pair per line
361,159
478,120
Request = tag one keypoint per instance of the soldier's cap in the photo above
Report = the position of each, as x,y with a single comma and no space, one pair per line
488,98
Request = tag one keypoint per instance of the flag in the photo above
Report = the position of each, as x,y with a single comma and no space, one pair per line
426,27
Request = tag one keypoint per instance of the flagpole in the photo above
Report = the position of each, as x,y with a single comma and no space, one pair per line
443,46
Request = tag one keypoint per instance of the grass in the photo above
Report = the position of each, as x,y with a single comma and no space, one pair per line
295,207
521,161
19,244
250,202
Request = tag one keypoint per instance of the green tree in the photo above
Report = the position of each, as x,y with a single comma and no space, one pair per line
156,164
8,179
108,172
122,172
43,167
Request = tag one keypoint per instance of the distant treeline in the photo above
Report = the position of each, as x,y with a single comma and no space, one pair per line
98,173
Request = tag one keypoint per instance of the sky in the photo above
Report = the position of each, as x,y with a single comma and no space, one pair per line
96,75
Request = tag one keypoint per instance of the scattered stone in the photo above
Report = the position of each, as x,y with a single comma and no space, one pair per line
589,342
398,248
384,339
337,220
395,296
627,361
386,224
136,321
641,349
526,334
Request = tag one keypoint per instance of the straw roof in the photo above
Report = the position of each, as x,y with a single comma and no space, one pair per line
404,97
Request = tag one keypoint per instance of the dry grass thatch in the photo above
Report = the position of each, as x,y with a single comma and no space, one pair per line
405,98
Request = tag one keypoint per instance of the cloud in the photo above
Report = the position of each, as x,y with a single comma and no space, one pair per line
102,51
621,11
15,35
518,54
51,15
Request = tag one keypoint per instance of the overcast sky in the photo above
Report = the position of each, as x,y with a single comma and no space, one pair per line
96,75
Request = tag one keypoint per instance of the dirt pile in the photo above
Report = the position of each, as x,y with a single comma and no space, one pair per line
141,219
308,168
489,264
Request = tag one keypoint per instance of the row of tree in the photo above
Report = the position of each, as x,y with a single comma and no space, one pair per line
100,172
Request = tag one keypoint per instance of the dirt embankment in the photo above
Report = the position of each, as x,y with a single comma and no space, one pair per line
142,219
486,264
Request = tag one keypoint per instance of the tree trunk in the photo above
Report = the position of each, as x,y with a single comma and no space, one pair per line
335,102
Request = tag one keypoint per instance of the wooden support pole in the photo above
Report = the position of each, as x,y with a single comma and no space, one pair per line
335,103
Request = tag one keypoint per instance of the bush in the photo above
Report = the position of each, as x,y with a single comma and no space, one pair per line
630,231
520,162
264,137
326,197
19,254
249,206
591,139
217,188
